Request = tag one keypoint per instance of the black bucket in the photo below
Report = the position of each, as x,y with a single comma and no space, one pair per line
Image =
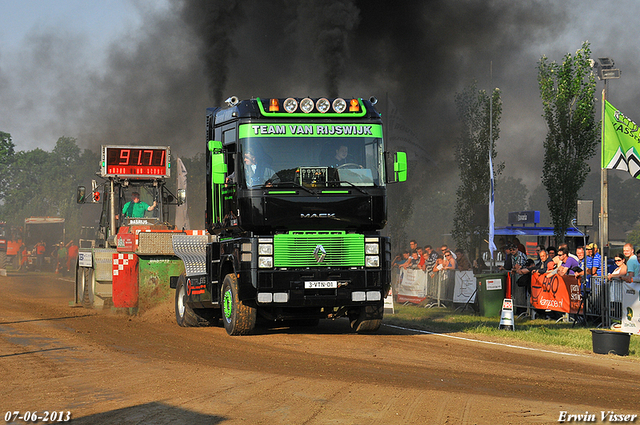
610,342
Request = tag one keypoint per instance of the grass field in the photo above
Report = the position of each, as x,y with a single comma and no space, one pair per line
527,331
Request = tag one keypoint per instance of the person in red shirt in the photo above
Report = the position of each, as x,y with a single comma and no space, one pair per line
72,256
41,248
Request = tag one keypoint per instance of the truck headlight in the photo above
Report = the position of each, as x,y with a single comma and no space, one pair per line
372,249
265,249
372,261
265,262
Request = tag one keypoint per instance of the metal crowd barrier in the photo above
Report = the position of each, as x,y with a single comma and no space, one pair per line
440,288
604,301
602,304
520,296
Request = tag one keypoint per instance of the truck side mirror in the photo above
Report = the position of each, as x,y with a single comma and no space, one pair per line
400,167
218,166
80,194
181,195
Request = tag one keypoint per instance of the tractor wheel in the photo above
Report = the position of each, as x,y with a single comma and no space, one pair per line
87,287
185,316
3,260
238,318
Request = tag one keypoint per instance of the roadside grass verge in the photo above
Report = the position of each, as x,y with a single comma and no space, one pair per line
530,332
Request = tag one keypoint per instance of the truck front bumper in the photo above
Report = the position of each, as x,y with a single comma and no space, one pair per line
322,288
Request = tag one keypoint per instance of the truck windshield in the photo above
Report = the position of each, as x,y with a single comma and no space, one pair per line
312,161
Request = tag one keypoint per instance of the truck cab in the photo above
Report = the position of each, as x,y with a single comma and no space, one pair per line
296,197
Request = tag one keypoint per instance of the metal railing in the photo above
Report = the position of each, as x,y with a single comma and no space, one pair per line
602,303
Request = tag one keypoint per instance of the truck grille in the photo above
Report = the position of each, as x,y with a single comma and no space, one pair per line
158,243
296,249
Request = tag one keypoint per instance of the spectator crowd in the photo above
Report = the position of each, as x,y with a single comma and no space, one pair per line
585,263
432,261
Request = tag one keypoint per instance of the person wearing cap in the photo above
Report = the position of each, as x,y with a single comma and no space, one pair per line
593,263
593,260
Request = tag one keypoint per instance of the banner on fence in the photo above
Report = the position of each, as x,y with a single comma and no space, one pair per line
465,287
631,308
412,286
556,293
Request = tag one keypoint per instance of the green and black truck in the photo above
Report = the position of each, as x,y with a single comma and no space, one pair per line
295,202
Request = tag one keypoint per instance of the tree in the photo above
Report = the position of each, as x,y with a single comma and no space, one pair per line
472,154
539,201
44,183
510,195
634,236
7,154
567,92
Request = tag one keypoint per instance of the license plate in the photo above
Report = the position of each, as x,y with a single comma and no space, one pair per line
321,284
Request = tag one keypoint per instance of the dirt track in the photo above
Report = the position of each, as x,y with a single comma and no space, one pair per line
108,368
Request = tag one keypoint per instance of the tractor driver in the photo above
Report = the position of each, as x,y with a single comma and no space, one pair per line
136,208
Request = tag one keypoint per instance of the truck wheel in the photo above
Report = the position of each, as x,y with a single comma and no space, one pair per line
79,284
84,286
367,319
184,313
87,287
238,318
3,260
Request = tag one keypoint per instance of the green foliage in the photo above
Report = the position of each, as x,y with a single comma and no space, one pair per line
429,199
567,92
634,236
539,201
7,153
400,206
472,154
40,183
510,195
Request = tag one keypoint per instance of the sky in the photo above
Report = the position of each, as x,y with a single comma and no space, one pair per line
143,72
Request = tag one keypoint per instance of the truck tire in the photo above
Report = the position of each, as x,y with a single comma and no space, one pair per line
3,260
79,284
238,318
87,287
367,319
185,315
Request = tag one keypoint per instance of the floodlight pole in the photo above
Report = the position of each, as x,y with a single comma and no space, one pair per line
606,71
604,185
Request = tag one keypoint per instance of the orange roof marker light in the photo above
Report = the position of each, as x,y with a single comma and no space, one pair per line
354,106
274,106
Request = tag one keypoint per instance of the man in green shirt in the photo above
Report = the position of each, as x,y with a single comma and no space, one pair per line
136,208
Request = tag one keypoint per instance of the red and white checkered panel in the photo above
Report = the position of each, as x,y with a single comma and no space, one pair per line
125,280
120,261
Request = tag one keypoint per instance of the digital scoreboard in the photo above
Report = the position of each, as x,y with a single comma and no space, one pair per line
135,161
